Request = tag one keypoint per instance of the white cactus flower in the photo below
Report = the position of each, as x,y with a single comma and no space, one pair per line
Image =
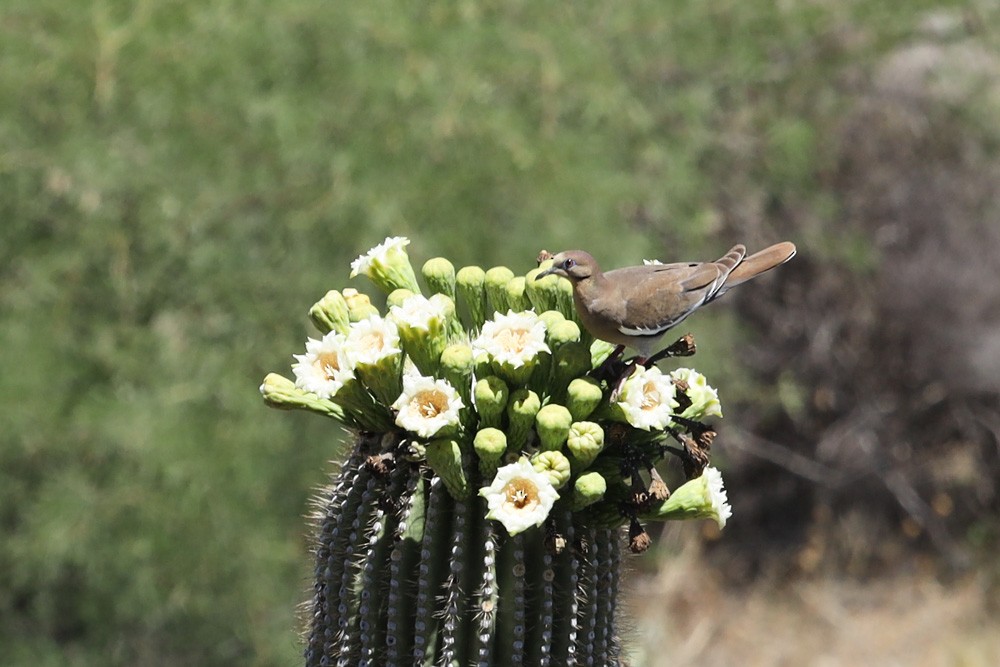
647,399
514,339
373,339
427,406
519,497
419,313
325,366
387,265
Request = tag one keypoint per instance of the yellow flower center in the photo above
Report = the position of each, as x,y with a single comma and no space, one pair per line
327,363
373,341
430,403
512,340
521,492
650,396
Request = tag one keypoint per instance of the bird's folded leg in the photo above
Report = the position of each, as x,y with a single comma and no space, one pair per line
611,368
682,347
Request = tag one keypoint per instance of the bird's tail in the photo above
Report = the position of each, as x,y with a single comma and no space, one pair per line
758,263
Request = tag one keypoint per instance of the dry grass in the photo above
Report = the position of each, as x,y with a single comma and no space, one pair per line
686,615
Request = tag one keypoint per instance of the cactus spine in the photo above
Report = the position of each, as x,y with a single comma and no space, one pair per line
478,517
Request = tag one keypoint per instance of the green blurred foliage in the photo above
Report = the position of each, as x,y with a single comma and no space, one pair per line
180,180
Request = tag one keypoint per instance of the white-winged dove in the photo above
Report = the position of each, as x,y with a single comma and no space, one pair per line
635,306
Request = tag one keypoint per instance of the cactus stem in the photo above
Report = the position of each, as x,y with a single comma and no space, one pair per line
402,562
486,597
425,634
360,533
588,592
455,620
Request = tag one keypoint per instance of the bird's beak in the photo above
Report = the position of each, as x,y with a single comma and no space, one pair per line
548,272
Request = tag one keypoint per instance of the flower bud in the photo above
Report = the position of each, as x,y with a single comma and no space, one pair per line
588,489
281,393
543,293
359,306
489,445
570,361
550,318
582,397
496,289
552,423
555,465
600,350
491,395
521,410
397,297
457,365
585,442
560,333
444,456
516,298
470,290
331,313
440,276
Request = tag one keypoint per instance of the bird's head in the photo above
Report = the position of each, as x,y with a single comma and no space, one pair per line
576,265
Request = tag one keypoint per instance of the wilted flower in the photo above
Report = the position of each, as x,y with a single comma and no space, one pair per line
427,407
704,399
647,399
387,265
519,497
701,498
325,366
514,339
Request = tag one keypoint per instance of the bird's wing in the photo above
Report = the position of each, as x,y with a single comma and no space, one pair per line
658,297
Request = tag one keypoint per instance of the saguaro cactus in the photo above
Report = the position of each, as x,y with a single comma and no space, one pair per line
496,457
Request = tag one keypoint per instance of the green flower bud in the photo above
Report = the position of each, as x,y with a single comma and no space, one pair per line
516,298
600,350
555,465
331,313
491,396
521,410
490,445
397,297
552,423
470,289
568,362
445,459
359,306
560,333
440,276
582,397
551,318
388,266
585,442
457,365
701,498
543,294
496,289
588,489
281,393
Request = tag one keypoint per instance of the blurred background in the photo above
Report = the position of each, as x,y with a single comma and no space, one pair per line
180,180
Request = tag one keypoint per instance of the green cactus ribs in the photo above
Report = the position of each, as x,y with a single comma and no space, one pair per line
478,518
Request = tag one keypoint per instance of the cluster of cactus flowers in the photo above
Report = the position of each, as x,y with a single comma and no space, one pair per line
498,453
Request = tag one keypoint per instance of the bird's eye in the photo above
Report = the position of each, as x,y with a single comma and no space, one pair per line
569,263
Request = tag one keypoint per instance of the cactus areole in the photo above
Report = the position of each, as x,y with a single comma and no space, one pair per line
498,454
